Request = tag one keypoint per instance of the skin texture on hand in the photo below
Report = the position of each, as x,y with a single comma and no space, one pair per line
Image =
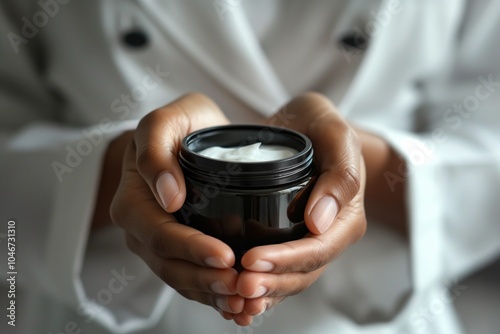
198,266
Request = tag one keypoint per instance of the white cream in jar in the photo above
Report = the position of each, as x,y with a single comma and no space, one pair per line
252,153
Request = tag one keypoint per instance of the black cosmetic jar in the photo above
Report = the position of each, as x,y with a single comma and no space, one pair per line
246,204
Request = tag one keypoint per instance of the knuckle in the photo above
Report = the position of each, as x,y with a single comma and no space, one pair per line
145,155
114,211
197,96
194,105
197,283
360,228
162,118
349,182
318,259
188,104
187,252
117,210
313,95
315,99
287,266
147,121
323,253
352,177
312,264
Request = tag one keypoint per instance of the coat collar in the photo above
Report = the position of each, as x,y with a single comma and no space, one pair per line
234,58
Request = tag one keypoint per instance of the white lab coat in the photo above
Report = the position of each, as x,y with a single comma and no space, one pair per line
73,85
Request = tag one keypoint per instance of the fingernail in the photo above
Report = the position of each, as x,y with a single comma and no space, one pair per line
324,212
167,188
222,304
264,309
226,315
261,291
263,266
220,288
216,262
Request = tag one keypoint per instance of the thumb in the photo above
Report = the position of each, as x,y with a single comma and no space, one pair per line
338,158
337,154
158,140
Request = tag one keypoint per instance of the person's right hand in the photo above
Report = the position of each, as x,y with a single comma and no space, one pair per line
152,186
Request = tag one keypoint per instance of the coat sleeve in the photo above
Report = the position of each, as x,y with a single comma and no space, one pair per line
462,139
452,173
49,177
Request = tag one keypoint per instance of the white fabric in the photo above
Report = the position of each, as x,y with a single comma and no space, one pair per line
66,88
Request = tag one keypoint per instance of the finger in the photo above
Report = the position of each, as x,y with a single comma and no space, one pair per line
223,304
164,236
312,251
243,319
337,155
253,285
158,139
186,276
227,315
213,287
257,306
142,217
338,158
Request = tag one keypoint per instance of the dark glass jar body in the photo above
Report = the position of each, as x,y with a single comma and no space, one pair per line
246,204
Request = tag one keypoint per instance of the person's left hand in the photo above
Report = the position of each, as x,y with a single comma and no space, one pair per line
334,213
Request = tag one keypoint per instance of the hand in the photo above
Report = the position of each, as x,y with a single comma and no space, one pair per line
110,178
334,213
152,187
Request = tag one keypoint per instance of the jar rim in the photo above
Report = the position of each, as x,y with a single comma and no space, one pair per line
247,174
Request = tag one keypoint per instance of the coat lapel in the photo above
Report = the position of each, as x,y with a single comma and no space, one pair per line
224,45
382,97
422,36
